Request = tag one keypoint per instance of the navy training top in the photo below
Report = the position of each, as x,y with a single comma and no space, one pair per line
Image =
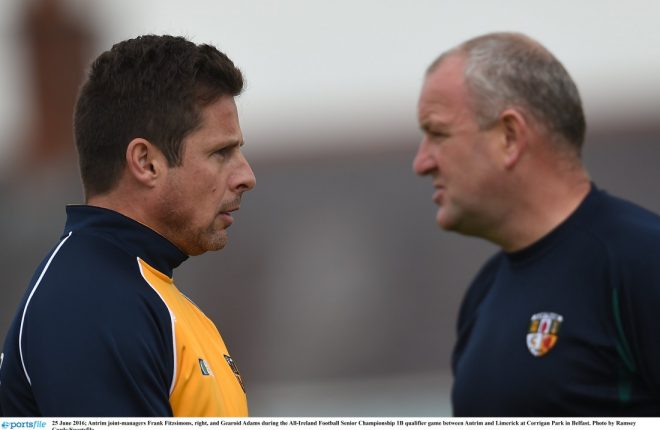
89,320
567,326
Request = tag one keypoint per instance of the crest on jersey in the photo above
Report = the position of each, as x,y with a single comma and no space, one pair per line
543,332
234,368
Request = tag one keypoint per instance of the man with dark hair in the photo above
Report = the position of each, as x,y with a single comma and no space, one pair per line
102,329
562,320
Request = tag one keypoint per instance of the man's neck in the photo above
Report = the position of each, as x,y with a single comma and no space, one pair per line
543,204
123,205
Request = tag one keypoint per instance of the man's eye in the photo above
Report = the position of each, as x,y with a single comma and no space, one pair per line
436,134
224,151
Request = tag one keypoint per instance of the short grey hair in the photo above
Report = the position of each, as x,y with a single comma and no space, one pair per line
505,70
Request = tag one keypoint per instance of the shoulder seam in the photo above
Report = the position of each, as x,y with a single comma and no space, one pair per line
27,303
172,320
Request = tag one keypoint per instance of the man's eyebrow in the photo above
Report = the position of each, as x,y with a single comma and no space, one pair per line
428,125
228,143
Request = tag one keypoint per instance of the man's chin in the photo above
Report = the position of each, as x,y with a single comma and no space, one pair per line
220,241
441,219
445,221
216,242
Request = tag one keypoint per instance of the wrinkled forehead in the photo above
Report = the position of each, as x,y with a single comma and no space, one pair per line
449,71
444,87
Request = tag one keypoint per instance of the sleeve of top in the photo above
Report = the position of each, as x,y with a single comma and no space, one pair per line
97,341
475,294
640,302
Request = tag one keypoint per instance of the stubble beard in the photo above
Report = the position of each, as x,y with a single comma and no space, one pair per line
213,237
190,238
196,241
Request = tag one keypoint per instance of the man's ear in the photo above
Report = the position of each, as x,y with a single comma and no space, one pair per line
516,136
144,161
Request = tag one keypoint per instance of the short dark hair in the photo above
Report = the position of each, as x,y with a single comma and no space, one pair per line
153,87
510,69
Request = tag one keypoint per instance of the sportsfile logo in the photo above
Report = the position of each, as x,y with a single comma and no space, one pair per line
9,425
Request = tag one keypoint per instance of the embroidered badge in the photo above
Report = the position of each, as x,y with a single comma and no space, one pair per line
542,333
205,368
234,368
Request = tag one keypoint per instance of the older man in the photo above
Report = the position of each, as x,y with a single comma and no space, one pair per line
562,320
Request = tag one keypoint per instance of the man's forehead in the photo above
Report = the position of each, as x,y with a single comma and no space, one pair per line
444,85
447,75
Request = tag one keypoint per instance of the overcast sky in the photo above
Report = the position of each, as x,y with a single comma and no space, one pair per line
346,68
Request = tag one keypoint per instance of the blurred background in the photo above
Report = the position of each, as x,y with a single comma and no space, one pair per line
337,294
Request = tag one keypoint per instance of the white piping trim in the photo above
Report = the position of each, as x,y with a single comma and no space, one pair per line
27,303
172,319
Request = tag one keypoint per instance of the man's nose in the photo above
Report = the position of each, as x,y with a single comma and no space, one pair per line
244,179
423,164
